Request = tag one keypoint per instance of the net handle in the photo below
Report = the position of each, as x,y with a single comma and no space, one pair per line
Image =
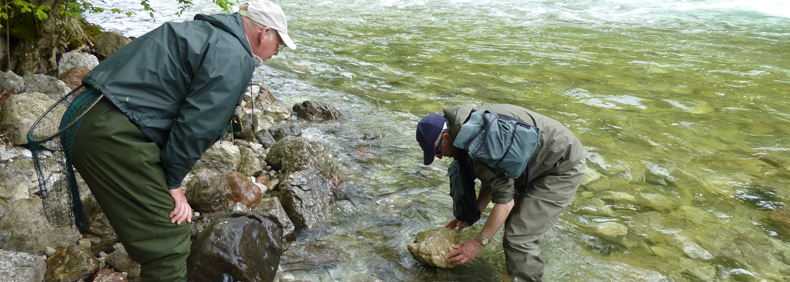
30,133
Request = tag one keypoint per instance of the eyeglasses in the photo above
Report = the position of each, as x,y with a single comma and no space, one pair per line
280,47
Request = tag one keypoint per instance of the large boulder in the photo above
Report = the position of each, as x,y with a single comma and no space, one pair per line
278,111
74,59
222,157
296,153
14,183
11,82
243,244
307,198
109,42
21,111
24,228
49,85
431,246
283,130
21,266
316,111
71,264
209,192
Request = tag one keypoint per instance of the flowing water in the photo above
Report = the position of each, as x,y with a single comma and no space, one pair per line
679,103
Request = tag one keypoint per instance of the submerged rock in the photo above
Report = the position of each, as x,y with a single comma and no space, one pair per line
431,246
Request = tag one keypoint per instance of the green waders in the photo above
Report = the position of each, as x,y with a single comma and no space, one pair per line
535,213
124,172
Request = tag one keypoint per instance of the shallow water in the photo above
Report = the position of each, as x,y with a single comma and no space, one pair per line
680,104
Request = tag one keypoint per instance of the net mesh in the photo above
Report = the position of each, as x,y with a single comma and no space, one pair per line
50,139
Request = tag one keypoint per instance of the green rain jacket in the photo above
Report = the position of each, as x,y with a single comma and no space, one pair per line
557,146
180,84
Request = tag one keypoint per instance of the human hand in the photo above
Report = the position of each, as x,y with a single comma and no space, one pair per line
464,253
182,212
456,223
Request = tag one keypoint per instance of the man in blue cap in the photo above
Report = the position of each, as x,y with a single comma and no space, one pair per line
553,175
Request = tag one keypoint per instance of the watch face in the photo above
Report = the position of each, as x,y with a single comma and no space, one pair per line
485,241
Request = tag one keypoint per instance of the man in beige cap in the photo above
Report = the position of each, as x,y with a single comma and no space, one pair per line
168,96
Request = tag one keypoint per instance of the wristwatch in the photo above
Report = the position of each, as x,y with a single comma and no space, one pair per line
483,240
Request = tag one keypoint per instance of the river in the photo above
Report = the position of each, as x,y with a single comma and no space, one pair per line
681,105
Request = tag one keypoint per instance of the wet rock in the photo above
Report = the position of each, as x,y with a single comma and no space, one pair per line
590,176
781,216
773,160
307,198
657,202
73,77
272,206
107,275
14,183
20,111
11,82
278,111
21,266
109,42
48,85
281,131
244,244
300,69
431,246
120,261
611,230
71,264
15,152
221,157
262,94
24,228
209,192
310,255
363,155
297,153
73,59
693,250
316,111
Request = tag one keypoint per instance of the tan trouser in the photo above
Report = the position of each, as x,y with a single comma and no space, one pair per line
535,213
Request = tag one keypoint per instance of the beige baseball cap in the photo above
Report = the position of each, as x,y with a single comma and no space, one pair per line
269,14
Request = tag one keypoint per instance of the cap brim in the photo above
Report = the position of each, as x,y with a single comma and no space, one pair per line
287,40
428,154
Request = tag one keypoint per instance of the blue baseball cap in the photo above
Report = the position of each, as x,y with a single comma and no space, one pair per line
429,129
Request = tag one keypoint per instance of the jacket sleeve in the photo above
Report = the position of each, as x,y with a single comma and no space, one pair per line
215,90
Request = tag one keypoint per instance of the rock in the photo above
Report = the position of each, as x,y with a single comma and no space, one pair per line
431,246
363,155
281,131
297,153
316,111
657,202
11,82
208,192
781,216
107,275
246,244
21,266
250,163
14,183
20,111
109,42
278,111
6,155
772,159
265,138
307,198
309,255
694,250
221,157
76,59
263,95
611,230
24,228
99,225
272,206
73,77
120,261
71,264
49,85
